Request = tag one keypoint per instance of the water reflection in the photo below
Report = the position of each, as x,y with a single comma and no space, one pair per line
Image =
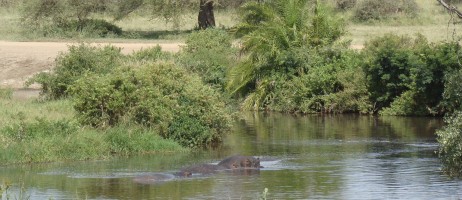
308,157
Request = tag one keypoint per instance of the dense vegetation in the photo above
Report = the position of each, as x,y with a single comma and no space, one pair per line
291,57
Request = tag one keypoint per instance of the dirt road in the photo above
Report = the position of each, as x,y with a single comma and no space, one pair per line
20,60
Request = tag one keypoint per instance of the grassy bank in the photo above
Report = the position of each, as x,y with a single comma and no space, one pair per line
45,131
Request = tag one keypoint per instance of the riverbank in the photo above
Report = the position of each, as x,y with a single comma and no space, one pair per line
35,131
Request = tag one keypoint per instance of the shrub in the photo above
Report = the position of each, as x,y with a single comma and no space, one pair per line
345,4
151,54
368,10
72,65
407,76
452,95
158,95
335,86
93,27
67,17
450,145
389,60
283,42
209,53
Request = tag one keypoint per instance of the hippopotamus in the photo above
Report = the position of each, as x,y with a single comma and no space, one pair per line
153,178
202,169
232,163
240,162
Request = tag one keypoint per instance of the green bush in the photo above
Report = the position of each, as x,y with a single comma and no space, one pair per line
335,86
450,145
151,54
129,140
77,62
345,4
369,10
408,76
452,95
156,95
389,60
210,54
285,40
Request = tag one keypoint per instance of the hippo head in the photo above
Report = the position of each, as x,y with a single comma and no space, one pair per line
239,162
250,162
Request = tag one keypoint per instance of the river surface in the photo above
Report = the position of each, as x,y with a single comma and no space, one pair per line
308,157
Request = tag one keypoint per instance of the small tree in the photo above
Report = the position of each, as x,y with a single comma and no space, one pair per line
67,16
280,38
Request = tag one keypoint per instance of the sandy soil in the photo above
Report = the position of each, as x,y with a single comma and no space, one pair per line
20,60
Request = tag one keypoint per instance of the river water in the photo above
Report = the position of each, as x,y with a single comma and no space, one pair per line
305,157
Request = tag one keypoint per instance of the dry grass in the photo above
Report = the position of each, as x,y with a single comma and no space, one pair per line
433,22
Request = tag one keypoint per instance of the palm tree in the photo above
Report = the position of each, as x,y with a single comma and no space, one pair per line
274,34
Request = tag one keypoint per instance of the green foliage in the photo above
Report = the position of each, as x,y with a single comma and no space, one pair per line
331,87
191,132
127,140
45,141
6,93
158,95
150,55
59,140
209,53
389,60
369,10
408,76
40,129
70,66
284,39
450,145
452,95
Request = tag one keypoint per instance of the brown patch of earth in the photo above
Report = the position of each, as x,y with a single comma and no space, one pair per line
21,60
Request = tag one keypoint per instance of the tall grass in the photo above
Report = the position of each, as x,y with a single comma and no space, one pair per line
36,131
432,21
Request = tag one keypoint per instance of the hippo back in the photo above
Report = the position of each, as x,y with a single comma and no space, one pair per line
238,161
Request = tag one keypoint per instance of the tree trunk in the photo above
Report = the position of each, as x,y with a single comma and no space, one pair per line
206,17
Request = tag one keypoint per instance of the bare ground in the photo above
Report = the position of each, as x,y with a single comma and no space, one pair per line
21,60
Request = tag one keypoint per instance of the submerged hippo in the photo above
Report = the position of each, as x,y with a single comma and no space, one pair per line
202,169
153,178
240,162
248,164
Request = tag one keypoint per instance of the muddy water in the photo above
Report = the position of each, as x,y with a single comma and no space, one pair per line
311,157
